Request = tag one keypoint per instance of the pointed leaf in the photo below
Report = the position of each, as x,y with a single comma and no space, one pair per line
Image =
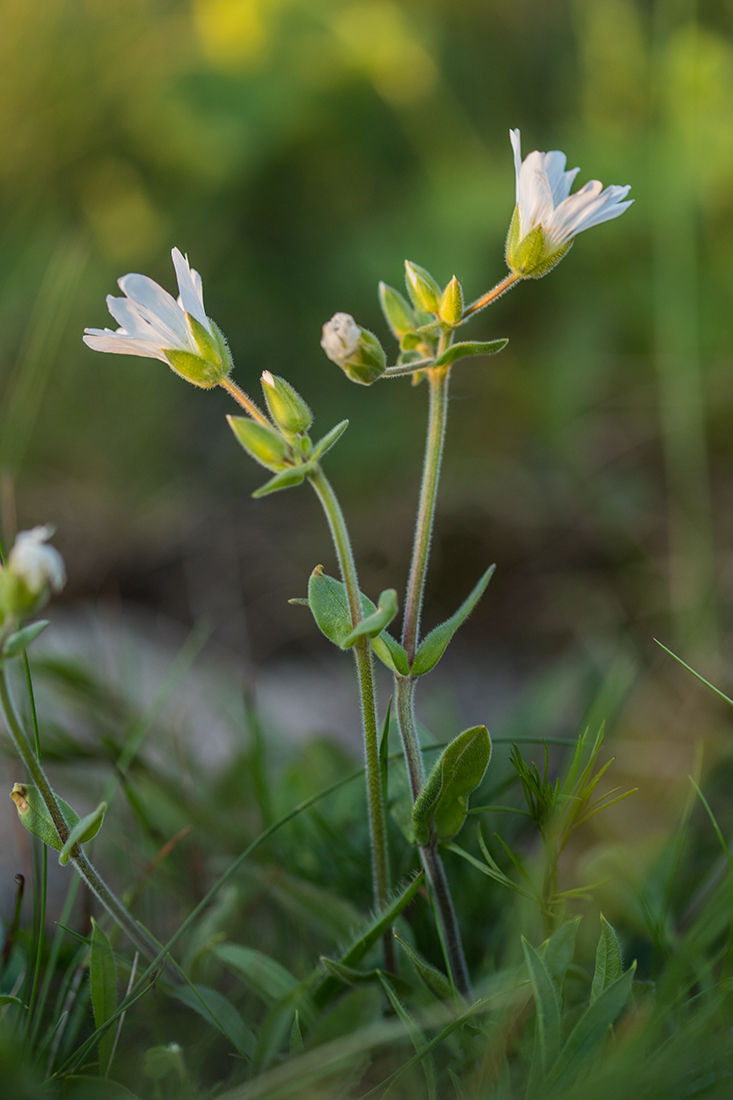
34,816
442,805
285,480
435,644
417,1038
83,831
434,979
391,653
329,604
375,623
557,952
9,999
220,1013
547,1033
19,641
103,983
609,966
350,976
469,347
264,976
324,445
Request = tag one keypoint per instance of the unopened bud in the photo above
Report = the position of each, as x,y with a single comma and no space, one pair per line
422,288
451,303
33,570
263,444
287,407
356,350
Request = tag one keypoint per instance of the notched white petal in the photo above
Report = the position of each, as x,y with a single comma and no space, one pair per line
190,289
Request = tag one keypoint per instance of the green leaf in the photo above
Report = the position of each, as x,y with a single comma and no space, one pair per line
441,807
375,623
434,979
557,952
609,966
469,347
417,1038
94,1088
83,831
8,999
284,480
103,983
348,975
264,976
547,1026
329,605
378,926
435,644
19,641
324,445
220,1013
591,1029
35,817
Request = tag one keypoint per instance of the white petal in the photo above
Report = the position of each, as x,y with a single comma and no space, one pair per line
535,196
560,181
588,207
104,339
190,289
516,139
158,303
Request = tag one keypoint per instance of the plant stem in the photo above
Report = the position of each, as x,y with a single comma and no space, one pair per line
93,880
247,403
491,295
365,675
449,932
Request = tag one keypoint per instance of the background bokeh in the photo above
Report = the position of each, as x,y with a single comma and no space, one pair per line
298,151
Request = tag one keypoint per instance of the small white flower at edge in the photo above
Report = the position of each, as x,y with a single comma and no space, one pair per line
36,564
156,326
547,217
340,337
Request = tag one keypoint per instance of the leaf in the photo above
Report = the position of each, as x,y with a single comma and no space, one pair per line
329,605
609,966
324,445
374,624
284,480
547,1027
350,976
83,831
591,1029
434,979
220,1013
378,926
469,347
264,976
94,1088
34,815
9,999
557,952
21,639
103,983
417,1038
442,805
435,644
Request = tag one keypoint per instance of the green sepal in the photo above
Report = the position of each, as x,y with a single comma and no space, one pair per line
451,303
424,292
368,363
286,406
549,262
469,347
286,479
35,817
441,807
512,237
263,444
194,369
329,606
21,639
324,445
609,964
222,347
434,645
397,311
375,623
83,831
207,345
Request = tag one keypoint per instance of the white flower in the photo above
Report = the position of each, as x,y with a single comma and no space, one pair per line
151,321
340,337
38,566
547,211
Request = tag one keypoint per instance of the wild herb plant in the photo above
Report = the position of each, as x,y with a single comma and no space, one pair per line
377,1014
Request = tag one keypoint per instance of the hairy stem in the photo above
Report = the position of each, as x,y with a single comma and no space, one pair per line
247,403
490,296
90,876
365,676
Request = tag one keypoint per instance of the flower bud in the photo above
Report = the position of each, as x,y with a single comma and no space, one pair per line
287,408
263,444
451,303
356,350
33,570
422,288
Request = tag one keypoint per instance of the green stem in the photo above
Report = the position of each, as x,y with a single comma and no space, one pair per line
93,880
365,675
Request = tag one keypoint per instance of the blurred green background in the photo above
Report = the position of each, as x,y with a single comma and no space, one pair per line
298,152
